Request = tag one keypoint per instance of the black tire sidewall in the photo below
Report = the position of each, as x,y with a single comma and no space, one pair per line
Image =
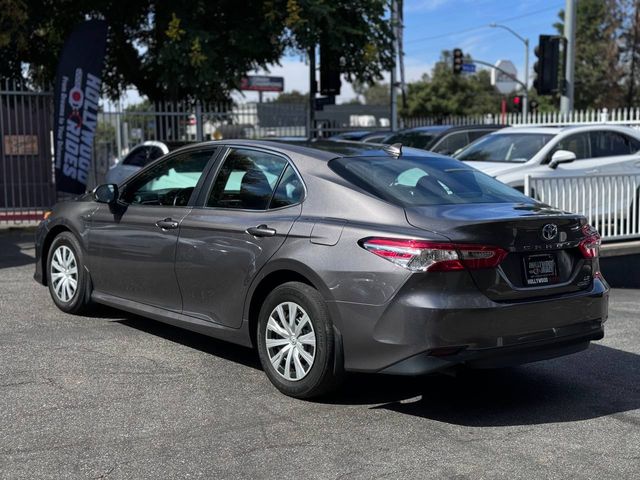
320,377
78,302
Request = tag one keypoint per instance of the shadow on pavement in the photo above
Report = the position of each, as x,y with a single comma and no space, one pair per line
11,254
228,351
600,381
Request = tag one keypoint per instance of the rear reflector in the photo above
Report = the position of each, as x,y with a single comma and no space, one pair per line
424,256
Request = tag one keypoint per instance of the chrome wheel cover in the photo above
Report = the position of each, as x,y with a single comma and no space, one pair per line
64,273
290,341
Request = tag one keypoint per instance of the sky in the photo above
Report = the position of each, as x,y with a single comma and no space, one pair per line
435,25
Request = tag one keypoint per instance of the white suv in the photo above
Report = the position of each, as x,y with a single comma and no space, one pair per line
511,153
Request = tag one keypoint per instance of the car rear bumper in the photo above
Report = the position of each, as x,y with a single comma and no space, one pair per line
425,328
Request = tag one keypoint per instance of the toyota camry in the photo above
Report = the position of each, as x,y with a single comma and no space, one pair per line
331,258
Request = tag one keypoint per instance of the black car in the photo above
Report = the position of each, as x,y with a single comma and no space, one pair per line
444,139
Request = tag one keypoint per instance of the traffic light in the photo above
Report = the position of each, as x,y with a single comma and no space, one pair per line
548,64
329,71
517,103
458,60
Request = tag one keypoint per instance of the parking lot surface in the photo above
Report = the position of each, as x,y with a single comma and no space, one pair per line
119,396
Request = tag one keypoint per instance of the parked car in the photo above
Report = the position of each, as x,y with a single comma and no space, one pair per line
140,156
511,153
443,139
331,257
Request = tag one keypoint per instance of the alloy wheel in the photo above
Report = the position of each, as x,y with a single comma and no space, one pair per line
290,341
64,273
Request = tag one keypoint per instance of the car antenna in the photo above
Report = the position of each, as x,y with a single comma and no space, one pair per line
394,149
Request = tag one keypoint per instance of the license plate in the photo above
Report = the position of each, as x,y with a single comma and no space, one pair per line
540,269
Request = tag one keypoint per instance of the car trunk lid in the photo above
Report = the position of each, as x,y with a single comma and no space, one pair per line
538,264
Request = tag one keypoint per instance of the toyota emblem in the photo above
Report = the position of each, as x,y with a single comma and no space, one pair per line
550,231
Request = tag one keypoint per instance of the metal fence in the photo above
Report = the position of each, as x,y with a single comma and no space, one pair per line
620,116
26,153
610,202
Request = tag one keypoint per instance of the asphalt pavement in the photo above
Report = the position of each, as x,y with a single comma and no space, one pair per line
116,396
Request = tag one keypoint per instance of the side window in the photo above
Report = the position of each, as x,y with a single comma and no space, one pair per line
451,143
289,190
578,144
137,157
610,144
154,154
171,182
247,180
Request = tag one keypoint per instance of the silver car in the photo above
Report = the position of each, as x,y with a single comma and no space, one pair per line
332,258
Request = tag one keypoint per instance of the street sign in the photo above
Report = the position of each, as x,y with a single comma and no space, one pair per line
262,83
469,67
504,83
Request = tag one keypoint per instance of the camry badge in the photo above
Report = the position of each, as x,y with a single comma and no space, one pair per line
549,231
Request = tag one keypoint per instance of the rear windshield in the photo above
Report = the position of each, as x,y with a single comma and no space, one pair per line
416,181
505,147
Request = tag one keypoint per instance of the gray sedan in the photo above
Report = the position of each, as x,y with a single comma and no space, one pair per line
330,258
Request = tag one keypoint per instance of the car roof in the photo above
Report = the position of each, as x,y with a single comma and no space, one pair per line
555,130
318,149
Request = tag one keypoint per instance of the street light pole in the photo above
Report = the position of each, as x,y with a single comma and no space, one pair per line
525,96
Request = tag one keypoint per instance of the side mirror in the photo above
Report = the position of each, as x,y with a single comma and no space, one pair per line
107,193
561,156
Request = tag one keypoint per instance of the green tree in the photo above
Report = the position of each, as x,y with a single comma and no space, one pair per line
292,97
598,69
442,93
195,48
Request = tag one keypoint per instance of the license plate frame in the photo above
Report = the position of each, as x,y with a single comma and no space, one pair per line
540,269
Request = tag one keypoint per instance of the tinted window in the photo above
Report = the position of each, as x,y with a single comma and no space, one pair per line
155,153
505,147
170,182
578,144
451,143
138,157
610,144
411,139
289,190
246,180
424,181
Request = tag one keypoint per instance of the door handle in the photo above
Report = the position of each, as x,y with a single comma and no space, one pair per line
167,224
261,231
589,172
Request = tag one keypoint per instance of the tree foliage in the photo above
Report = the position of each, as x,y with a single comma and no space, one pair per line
194,48
442,93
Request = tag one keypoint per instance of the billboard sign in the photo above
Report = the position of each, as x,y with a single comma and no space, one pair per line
262,83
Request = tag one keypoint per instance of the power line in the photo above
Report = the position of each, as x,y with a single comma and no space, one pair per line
480,27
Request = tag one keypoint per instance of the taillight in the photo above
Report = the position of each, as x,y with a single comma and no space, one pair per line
590,245
424,256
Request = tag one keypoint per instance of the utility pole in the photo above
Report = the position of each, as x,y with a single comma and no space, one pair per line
525,96
403,83
566,101
394,93
311,117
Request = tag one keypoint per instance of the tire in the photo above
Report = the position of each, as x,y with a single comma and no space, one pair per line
65,263
293,373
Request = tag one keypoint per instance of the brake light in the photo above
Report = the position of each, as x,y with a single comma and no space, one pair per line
590,245
425,256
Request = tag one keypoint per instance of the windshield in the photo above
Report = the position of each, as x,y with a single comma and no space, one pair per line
422,181
411,139
505,147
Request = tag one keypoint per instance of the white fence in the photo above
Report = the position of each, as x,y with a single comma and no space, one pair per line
610,202
619,116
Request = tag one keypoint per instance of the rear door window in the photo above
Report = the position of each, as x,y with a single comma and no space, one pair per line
247,180
610,144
